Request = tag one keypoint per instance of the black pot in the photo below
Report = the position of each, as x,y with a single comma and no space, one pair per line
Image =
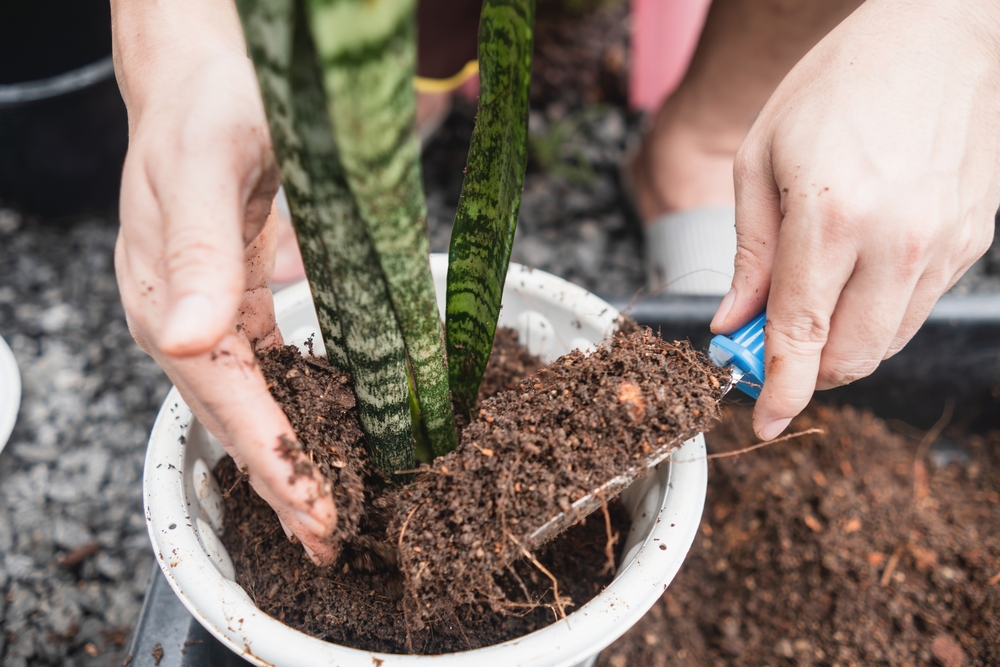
63,125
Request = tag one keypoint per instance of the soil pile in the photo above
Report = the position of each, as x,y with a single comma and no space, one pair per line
527,453
836,549
532,452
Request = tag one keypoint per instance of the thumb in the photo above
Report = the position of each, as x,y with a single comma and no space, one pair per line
203,213
758,219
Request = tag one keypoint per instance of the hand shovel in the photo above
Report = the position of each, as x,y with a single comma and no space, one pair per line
743,354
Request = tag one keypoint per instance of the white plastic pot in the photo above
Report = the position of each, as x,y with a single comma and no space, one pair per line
183,510
10,392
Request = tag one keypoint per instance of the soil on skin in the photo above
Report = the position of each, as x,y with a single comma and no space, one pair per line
532,452
836,549
358,602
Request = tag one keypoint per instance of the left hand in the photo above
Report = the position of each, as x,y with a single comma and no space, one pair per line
865,189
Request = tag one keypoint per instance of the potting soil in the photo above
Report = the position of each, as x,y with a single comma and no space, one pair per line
585,416
858,547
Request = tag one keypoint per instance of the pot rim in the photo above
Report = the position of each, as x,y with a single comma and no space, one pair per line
42,89
675,495
10,392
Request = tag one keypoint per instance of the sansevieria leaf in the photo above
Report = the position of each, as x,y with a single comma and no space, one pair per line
368,52
491,193
341,263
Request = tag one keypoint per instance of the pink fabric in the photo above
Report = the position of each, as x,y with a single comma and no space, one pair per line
664,36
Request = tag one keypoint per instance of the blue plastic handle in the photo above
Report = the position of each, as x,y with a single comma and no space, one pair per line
744,350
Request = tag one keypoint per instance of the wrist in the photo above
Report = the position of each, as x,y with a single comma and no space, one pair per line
158,45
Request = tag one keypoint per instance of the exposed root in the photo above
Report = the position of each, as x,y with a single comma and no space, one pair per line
921,489
520,582
559,603
890,567
759,445
406,523
242,477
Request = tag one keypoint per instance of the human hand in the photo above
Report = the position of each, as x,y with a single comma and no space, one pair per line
195,252
865,189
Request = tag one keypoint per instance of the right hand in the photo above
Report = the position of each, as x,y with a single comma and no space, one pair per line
195,252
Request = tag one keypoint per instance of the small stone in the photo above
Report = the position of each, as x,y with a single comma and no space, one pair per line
19,566
69,534
947,652
55,318
109,566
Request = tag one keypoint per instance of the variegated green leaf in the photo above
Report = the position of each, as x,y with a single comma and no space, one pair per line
343,268
491,193
368,51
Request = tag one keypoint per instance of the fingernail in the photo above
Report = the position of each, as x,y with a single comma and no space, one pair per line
774,429
288,531
723,311
311,554
313,524
186,322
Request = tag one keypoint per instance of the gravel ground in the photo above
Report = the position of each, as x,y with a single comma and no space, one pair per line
74,555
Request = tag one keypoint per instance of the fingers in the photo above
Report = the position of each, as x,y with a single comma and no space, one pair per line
227,392
758,220
868,315
202,211
810,270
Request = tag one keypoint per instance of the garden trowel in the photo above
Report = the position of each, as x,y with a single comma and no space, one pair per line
741,352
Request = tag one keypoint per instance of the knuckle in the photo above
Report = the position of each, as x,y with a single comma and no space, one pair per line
743,168
839,372
748,259
191,256
804,331
918,242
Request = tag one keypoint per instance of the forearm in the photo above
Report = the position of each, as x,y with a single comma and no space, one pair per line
156,44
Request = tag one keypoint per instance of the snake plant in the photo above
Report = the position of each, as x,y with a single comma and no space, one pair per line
336,80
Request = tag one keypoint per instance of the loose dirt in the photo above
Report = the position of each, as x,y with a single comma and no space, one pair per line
587,416
836,549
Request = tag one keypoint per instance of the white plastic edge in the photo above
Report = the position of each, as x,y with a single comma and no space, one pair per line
228,613
10,392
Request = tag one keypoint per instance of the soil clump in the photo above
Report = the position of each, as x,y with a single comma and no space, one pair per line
532,452
586,415
855,547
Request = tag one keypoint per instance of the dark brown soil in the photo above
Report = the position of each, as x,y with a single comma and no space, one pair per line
319,404
532,452
836,550
353,606
358,602
510,362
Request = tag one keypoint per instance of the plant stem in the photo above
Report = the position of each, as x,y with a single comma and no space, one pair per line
341,262
483,234
368,52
